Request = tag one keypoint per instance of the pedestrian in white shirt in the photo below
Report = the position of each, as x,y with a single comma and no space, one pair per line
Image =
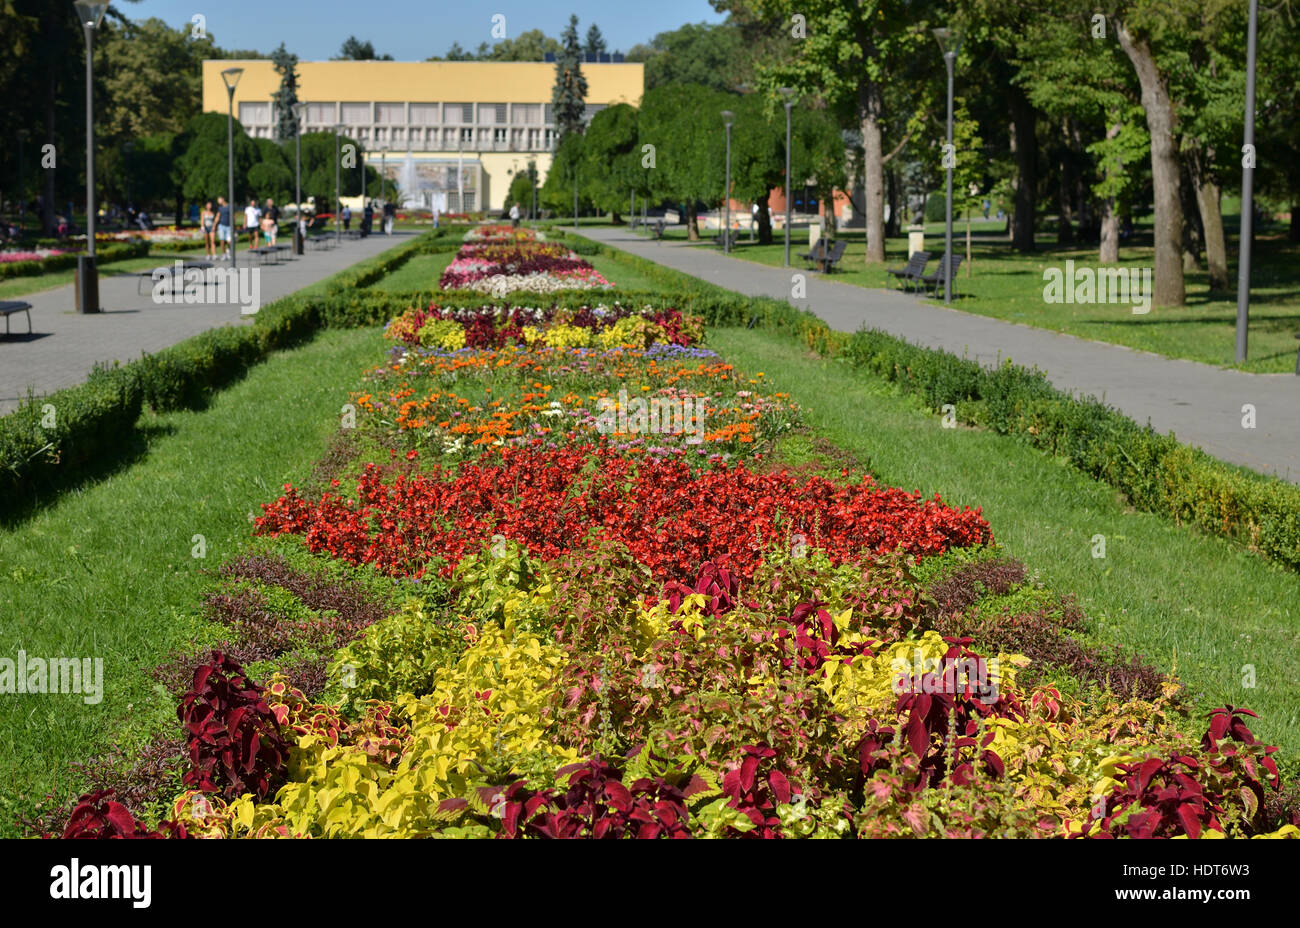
252,222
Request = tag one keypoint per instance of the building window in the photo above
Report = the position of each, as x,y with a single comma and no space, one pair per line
467,137
549,114
255,114
390,114
320,114
492,114
526,114
355,114
424,114
534,139
398,136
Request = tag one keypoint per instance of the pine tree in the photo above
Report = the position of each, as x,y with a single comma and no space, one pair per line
595,42
286,64
570,97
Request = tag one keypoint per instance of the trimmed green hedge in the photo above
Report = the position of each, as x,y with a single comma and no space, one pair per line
116,251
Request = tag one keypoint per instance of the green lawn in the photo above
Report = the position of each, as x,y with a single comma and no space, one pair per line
1184,599
108,570
1004,284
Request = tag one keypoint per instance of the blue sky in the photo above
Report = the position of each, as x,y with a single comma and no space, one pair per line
410,29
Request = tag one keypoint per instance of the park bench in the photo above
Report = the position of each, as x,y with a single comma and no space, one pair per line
9,307
658,228
949,264
158,273
913,271
813,255
832,257
726,237
321,239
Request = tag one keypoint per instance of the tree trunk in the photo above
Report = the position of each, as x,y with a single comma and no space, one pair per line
1169,289
615,219
1294,233
1193,234
764,220
870,107
892,223
1109,233
1208,195
1024,116
692,224
47,201
1065,190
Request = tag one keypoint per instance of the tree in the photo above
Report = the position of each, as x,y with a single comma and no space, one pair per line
683,124
699,53
521,188
202,166
353,49
151,77
272,175
595,46
566,170
286,65
570,95
527,46
611,158
845,51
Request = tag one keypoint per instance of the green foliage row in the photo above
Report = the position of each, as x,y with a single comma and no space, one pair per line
104,254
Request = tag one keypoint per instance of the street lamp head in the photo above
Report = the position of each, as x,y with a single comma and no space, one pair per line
231,76
727,116
90,12
949,40
298,109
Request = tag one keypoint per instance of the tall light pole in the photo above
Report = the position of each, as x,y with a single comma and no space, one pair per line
90,14
297,176
338,195
950,44
383,172
575,197
727,116
231,77
788,94
1247,194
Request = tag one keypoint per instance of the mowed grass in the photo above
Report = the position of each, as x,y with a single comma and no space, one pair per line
108,570
1189,602
1004,284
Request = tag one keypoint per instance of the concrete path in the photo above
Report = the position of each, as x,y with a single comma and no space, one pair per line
65,345
1200,404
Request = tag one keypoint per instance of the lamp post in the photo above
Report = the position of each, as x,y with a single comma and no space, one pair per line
787,93
297,177
727,116
575,197
1247,195
338,196
950,44
383,172
231,77
90,14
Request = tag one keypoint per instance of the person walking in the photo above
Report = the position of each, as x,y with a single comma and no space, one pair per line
273,213
252,221
224,228
208,221
514,215
347,217
390,214
367,218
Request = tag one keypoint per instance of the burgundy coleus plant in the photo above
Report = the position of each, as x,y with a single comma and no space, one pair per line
97,816
756,788
596,804
235,742
1168,796
717,584
944,714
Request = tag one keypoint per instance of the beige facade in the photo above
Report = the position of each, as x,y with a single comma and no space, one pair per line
455,132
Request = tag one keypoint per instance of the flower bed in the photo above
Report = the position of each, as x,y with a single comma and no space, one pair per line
597,641
499,260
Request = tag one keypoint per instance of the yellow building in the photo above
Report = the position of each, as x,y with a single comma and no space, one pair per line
451,133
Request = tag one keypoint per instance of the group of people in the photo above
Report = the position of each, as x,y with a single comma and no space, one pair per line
388,213
217,228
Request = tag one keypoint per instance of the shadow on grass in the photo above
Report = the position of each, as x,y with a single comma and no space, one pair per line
129,451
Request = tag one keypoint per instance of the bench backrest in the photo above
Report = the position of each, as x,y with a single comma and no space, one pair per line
916,264
944,262
837,251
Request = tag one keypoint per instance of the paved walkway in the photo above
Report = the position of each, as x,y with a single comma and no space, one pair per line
65,345
1200,404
